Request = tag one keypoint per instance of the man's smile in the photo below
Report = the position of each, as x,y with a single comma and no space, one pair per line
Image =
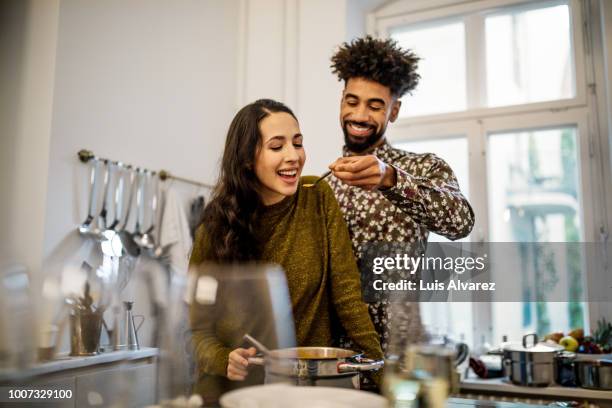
360,129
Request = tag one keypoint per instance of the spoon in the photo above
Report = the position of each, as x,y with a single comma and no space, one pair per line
257,344
323,176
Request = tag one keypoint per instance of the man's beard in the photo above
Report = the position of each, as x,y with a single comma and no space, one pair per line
368,142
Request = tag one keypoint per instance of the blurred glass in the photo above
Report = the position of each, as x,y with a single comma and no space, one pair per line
529,55
440,45
534,197
212,309
17,329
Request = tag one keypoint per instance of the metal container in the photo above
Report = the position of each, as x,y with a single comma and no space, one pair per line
565,373
307,365
594,372
85,328
531,364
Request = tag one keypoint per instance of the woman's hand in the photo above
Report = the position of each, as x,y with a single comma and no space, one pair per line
238,363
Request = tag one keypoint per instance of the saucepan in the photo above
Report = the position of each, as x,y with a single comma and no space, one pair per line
306,365
532,363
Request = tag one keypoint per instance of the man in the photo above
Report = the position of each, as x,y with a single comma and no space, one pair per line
387,194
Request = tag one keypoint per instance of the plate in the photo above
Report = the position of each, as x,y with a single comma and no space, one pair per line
291,396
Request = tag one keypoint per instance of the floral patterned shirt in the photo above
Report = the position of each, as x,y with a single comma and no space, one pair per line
426,198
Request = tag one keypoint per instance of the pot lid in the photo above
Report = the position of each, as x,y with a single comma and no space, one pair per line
537,348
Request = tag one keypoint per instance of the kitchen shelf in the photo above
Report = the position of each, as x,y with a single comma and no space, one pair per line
499,386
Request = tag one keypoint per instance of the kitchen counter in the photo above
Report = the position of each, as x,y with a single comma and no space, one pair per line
66,362
117,378
468,402
502,387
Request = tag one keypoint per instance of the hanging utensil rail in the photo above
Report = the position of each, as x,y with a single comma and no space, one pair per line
87,155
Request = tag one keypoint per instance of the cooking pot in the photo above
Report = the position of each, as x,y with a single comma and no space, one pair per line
306,365
531,363
594,372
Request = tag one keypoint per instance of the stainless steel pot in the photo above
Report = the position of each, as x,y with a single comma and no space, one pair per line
594,372
532,363
306,365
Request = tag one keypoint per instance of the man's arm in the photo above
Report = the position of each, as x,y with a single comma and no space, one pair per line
429,193
432,198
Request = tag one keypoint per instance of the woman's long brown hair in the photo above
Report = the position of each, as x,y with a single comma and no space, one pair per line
230,216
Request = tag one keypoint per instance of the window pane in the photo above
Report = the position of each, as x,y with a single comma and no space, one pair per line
533,197
440,46
454,150
529,56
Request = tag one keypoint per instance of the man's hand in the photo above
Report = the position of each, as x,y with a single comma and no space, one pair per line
238,363
368,172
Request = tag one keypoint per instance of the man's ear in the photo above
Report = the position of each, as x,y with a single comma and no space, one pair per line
395,110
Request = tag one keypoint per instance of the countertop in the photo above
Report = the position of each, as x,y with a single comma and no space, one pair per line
65,362
501,385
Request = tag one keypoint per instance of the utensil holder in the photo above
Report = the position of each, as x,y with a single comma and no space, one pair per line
85,329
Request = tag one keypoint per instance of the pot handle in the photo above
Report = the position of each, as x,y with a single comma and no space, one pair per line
526,337
364,364
256,360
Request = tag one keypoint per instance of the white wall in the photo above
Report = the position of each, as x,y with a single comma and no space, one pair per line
147,82
286,49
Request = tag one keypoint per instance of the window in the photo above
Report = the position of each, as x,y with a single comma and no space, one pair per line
439,46
503,99
528,56
533,188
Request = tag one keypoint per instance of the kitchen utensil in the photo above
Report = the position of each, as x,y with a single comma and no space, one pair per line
88,226
287,396
110,241
140,214
85,328
158,251
104,211
130,332
531,364
148,239
127,239
323,176
594,371
565,371
306,365
257,344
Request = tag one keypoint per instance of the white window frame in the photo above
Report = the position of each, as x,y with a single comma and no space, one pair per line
477,123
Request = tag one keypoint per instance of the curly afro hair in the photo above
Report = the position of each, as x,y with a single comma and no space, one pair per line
378,60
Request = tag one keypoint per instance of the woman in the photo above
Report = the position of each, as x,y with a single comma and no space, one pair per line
261,211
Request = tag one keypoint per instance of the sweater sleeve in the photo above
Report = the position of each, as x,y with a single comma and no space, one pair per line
211,354
346,281
432,198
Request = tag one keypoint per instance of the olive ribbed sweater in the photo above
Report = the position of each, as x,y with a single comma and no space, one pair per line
306,235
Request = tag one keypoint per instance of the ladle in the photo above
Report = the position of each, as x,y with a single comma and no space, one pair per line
127,238
88,227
